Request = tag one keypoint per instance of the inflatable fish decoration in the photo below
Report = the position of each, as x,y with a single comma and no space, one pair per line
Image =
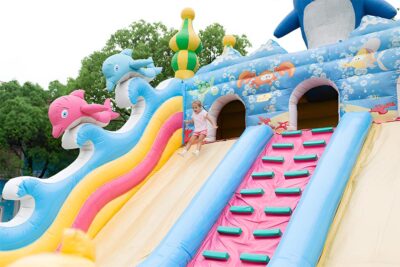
365,57
121,67
69,111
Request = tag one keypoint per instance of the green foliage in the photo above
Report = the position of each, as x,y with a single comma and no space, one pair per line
25,129
146,40
211,38
10,164
91,78
57,89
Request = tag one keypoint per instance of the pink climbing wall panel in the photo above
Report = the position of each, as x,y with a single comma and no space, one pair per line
246,243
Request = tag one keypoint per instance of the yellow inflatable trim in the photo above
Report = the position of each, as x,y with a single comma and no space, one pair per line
77,250
100,176
114,206
53,260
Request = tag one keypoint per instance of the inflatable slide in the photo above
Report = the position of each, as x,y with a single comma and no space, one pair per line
144,220
300,172
365,230
48,206
201,237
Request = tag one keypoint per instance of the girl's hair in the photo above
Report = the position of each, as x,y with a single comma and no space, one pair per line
198,103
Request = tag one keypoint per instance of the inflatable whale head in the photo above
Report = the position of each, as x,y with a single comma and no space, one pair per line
324,22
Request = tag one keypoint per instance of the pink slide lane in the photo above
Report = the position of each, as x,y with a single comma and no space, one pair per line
123,184
262,244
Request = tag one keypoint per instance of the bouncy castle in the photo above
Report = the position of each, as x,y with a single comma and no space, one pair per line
301,171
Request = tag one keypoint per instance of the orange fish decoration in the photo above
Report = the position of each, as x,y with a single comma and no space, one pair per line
266,77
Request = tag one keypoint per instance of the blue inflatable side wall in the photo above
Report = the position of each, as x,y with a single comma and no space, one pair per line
305,235
186,236
362,69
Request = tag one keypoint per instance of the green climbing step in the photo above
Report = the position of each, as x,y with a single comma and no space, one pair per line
263,175
322,130
283,145
267,233
314,143
241,209
288,191
229,230
309,157
273,159
252,191
296,174
291,133
216,255
278,210
259,258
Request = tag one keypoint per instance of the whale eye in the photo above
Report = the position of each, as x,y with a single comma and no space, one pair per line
116,68
64,113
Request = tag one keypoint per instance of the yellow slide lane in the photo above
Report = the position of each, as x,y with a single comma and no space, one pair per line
91,182
366,229
133,233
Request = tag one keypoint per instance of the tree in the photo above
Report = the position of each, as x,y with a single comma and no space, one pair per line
91,79
10,164
25,129
212,37
57,89
146,40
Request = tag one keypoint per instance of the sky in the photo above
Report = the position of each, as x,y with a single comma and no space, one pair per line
45,40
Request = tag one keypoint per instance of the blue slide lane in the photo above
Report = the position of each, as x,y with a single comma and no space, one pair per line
305,236
184,239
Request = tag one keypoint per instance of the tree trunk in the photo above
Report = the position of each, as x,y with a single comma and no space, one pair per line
46,164
30,165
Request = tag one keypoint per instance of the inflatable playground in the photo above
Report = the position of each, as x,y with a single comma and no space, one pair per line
301,171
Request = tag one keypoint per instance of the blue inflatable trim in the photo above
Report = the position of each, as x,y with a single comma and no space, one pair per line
305,236
186,236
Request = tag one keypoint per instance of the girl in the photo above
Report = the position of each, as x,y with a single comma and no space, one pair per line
199,119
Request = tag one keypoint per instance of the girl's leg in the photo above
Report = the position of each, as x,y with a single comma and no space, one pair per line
192,140
199,144
200,141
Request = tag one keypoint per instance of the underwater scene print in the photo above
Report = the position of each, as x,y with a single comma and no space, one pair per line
364,69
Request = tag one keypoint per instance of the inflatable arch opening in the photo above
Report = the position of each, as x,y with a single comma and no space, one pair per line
303,114
229,112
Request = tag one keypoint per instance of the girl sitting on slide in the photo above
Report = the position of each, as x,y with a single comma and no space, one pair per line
199,119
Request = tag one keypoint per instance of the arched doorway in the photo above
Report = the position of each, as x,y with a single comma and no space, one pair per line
231,120
230,115
314,103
